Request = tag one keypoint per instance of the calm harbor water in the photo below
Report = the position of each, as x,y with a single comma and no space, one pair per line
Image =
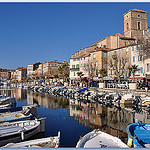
76,118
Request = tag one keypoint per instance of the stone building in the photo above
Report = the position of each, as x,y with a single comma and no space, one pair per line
5,74
98,60
74,68
119,55
21,73
135,21
31,68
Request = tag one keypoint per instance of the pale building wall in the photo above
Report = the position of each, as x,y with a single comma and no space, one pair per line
125,53
84,66
135,60
74,62
147,67
96,61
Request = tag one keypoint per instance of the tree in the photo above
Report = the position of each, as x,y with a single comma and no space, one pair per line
80,74
66,75
102,72
64,69
92,70
118,64
133,69
144,45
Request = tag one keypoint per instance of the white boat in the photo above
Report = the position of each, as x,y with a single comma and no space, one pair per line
24,114
99,139
49,142
18,131
7,102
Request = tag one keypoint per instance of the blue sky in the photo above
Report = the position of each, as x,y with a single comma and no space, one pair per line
32,32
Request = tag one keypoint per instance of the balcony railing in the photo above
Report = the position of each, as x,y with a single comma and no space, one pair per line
74,69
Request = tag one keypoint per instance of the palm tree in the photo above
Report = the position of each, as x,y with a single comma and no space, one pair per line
133,69
66,75
80,74
102,72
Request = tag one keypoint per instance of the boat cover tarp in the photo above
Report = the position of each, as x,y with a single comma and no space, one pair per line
11,109
143,135
62,87
82,90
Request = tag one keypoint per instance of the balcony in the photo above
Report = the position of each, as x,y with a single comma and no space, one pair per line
74,69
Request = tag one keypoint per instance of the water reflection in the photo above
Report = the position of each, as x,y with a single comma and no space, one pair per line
112,120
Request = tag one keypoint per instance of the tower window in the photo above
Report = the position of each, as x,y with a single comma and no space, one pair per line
139,27
127,26
138,15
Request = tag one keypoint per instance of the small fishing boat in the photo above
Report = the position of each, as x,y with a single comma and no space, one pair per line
16,116
138,135
99,139
7,102
18,109
82,90
18,131
49,142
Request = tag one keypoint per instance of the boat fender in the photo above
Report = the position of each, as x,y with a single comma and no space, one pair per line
130,142
22,135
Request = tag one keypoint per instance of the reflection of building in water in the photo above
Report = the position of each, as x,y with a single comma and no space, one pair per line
143,116
98,115
80,112
30,98
49,101
90,114
119,118
19,93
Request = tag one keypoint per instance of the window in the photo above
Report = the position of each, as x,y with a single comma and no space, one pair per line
94,119
148,67
127,26
132,48
111,72
139,58
141,69
74,74
127,51
77,66
96,64
138,15
96,72
93,56
139,26
73,66
133,58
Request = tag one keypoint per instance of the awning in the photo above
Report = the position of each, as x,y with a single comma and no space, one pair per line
78,79
108,78
137,78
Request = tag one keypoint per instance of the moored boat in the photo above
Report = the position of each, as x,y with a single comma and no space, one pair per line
49,142
16,116
138,135
99,139
18,131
